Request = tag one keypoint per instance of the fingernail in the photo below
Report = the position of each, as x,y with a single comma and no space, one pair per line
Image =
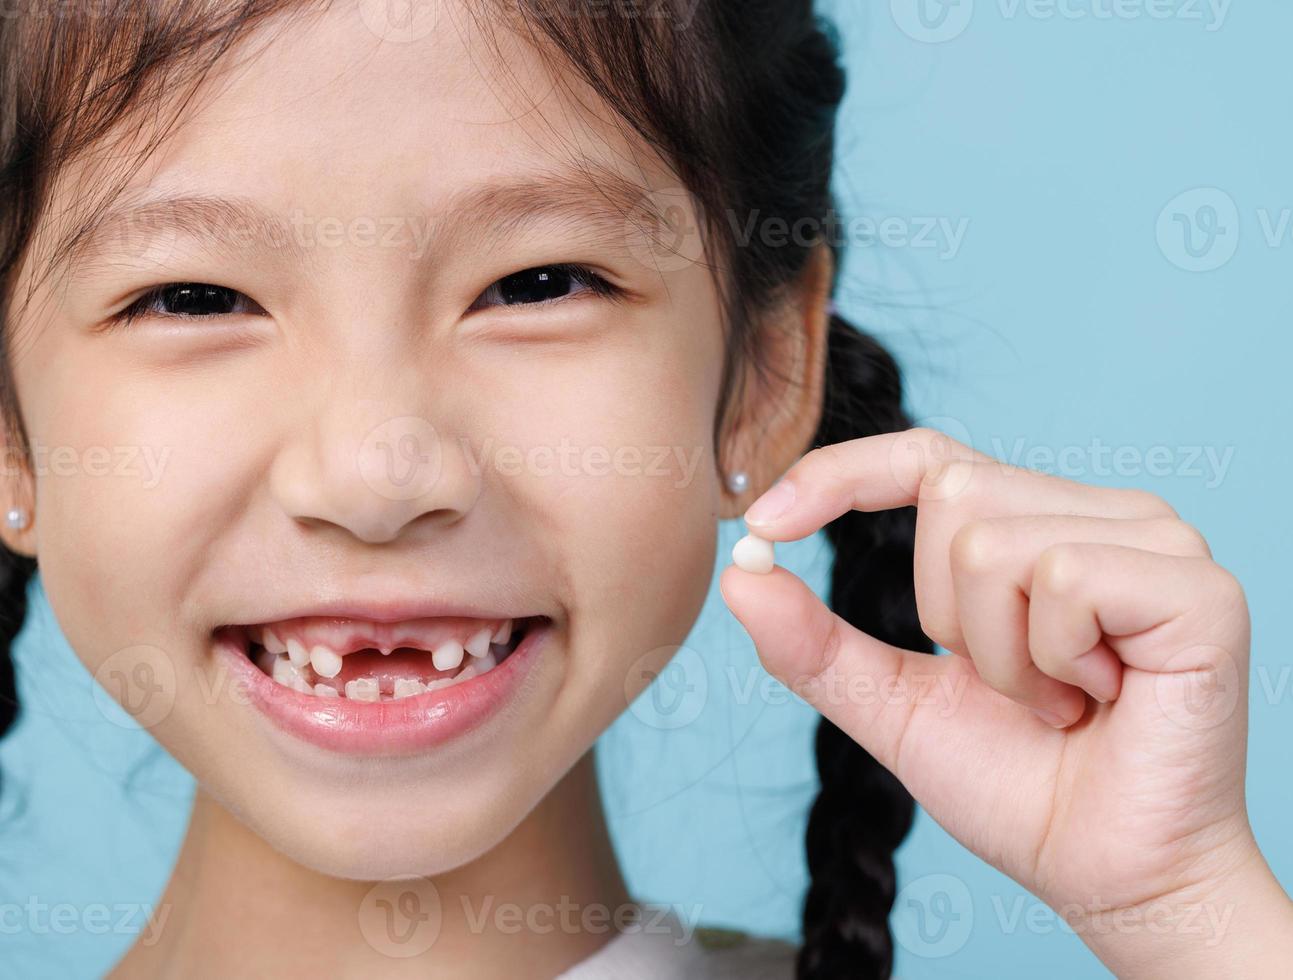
772,504
1051,718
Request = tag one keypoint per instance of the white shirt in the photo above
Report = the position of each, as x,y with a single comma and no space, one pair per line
661,947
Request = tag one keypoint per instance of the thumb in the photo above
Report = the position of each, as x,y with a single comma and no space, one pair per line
867,688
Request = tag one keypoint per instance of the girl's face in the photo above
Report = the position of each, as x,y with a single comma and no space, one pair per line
364,422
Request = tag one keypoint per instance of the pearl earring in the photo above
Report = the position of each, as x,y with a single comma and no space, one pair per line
16,518
738,482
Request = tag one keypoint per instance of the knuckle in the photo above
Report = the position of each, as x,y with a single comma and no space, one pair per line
1060,571
1226,587
1148,504
949,482
978,548
936,625
829,462
1185,538
1001,677
1049,660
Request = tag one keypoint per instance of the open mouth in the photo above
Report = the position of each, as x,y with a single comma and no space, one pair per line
347,659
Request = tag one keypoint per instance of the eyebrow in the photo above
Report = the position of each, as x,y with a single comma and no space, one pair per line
590,194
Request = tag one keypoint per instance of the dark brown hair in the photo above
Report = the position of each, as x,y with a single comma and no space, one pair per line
741,98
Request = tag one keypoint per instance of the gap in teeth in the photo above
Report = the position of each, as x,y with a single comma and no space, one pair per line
298,668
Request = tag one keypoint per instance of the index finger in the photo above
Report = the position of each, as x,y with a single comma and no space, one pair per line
871,473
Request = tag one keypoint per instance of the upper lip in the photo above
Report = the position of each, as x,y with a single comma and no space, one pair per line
387,610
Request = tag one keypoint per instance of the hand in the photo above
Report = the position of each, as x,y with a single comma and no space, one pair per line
1087,734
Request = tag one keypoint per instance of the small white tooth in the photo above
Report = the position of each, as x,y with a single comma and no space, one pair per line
272,643
503,633
407,687
325,691
385,652
325,661
437,684
363,689
283,671
297,653
478,645
299,683
448,655
475,668
265,661
754,554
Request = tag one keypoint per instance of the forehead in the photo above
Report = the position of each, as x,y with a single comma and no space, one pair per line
340,114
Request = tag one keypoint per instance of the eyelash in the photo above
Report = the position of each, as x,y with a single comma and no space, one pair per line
578,275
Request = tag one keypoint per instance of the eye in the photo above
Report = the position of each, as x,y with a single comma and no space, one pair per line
189,300
544,284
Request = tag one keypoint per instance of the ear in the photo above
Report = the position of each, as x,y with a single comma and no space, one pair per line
17,491
779,398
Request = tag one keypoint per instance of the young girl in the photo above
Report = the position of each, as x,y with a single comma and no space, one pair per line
458,326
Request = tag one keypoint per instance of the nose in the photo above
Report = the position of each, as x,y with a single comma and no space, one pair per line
373,472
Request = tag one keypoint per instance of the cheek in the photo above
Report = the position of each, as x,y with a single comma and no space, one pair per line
130,479
614,456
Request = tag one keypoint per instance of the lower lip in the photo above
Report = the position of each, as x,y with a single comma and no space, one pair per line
374,728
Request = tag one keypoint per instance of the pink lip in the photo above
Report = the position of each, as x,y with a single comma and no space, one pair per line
388,611
401,727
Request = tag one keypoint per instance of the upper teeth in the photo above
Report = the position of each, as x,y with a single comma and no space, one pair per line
293,665
448,655
272,643
326,663
297,653
478,645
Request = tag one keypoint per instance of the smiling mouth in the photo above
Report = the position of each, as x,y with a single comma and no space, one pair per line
354,660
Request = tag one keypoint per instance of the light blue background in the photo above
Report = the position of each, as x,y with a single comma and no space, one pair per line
1068,315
